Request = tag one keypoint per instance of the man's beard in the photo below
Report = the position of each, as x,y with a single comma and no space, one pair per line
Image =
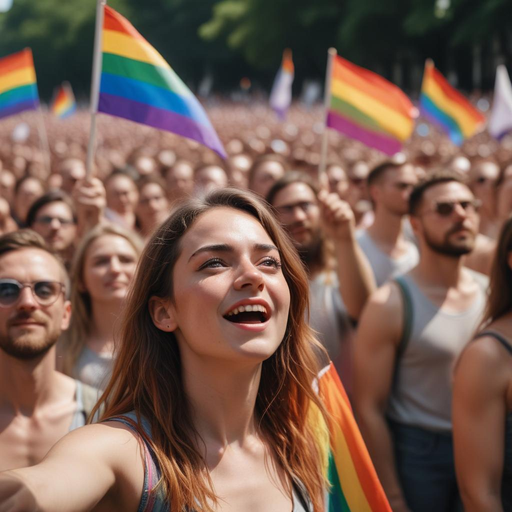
27,347
447,248
313,254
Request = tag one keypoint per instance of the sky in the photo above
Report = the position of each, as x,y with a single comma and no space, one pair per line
5,5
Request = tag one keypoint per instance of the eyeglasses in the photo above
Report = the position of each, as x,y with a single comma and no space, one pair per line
446,208
288,209
45,292
45,219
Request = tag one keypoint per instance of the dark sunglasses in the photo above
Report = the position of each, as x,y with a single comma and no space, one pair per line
45,292
446,208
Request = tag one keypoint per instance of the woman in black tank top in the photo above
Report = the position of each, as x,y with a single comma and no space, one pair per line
482,398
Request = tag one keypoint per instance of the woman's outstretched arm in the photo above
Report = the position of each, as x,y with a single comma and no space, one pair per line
97,467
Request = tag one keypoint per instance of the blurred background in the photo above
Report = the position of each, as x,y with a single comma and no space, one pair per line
227,46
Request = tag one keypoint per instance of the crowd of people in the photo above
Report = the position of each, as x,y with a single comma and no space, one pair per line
184,305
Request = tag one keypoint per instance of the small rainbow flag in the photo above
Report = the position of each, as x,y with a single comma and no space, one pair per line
64,104
18,84
355,486
138,84
281,94
441,104
366,107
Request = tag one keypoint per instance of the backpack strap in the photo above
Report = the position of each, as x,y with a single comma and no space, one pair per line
407,314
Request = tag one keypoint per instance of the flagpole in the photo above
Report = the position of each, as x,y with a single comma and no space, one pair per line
95,85
43,136
331,54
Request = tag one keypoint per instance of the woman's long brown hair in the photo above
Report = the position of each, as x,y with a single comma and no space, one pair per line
499,301
147,374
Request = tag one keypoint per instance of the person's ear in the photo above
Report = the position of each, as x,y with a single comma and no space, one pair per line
163,314
66,316
415,223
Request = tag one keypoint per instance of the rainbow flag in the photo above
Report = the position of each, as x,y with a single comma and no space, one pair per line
355,486
18,84
281,94
138,84
64,104
441,104
366,107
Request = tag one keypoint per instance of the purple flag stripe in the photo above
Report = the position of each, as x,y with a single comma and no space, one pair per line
161,119
387,145
31,104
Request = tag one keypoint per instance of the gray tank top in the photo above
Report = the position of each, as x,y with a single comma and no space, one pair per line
86,397
93,369
153,500
384,267
421,395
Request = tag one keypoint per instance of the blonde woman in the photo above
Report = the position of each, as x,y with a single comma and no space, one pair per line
103,268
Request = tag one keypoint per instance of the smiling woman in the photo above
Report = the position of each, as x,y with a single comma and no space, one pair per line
211,396
103,268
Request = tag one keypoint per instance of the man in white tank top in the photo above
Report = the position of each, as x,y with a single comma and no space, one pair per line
410,335
38,405
322,228
384,243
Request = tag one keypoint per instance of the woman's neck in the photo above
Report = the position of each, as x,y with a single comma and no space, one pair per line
105,316
223,400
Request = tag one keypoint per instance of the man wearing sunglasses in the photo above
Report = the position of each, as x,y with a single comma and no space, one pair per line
38,405
388,251
410,336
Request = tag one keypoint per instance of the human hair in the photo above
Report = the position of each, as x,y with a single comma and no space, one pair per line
25,178
433,179
53,196
126,172
28,239
261,160
73,340
146,180
499,301
285,396
288,179
377,173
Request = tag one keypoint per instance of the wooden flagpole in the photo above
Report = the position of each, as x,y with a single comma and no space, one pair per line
331,54
95,85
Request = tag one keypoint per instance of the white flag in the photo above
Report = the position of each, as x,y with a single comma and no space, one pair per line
500,122
281,95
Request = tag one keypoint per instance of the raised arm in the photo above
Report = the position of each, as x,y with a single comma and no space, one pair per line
355,275
479,411
375,349
97,467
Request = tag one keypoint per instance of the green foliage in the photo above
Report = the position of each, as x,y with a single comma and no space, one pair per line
229,39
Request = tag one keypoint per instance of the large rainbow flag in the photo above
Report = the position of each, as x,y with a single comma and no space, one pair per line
441,104
64,104
366,107
18,84
355,486
138,84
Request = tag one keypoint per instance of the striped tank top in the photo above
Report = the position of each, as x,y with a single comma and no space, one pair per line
156,501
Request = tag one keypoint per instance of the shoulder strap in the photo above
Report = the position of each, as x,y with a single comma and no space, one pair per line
498,337
407,314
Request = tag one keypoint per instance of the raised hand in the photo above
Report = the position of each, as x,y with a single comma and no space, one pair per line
90,201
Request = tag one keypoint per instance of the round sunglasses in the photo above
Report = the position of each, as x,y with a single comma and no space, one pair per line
45,292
